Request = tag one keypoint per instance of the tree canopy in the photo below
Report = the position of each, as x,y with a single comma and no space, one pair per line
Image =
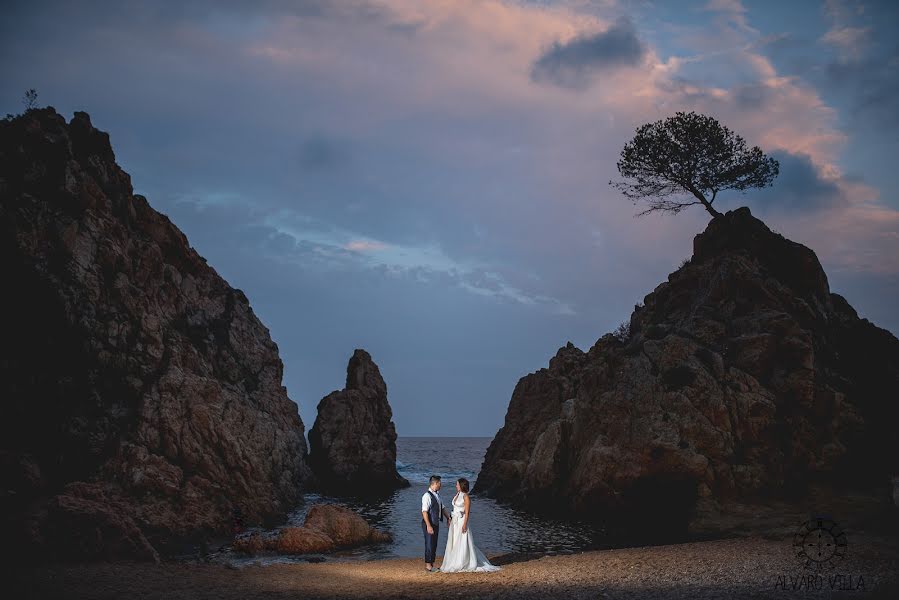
689,154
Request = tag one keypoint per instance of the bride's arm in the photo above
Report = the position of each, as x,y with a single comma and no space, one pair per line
446,513
467,512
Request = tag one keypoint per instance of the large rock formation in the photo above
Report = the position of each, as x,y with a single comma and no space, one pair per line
352,445
742,376
140,396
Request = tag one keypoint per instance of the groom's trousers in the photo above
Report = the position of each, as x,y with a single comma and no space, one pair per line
430,541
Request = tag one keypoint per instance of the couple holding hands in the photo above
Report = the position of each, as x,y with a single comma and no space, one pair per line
460,554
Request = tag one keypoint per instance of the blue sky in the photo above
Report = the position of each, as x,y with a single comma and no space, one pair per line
428,180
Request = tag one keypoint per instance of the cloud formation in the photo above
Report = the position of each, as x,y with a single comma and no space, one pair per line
800,187
865,70
417,178
576,62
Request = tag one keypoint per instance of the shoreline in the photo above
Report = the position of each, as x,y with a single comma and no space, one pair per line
743,567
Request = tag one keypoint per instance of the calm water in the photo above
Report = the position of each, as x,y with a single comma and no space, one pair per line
496,528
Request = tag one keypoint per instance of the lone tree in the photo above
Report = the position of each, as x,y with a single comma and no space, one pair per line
689,154
30,99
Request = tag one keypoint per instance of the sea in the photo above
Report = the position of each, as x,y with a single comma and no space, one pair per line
497,527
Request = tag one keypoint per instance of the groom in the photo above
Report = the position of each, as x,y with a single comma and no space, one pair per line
432,512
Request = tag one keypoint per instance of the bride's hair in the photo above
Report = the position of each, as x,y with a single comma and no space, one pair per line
463,484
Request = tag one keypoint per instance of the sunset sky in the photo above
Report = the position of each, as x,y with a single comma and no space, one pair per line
428,180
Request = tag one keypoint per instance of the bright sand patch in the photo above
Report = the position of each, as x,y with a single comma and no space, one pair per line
729,568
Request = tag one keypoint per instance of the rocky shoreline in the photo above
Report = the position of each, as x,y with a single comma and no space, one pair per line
144,411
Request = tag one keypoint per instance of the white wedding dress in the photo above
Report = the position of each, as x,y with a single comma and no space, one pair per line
461,554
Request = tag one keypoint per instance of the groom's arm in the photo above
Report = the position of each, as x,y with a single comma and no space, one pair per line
427,519
425,505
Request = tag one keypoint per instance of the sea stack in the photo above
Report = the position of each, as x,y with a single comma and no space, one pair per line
743,376
352,445
141,404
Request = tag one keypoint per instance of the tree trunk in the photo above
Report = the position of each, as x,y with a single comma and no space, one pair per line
712,211
706,203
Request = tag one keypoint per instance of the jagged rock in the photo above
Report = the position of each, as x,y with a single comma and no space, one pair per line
140,396
743,377
327,528
352,445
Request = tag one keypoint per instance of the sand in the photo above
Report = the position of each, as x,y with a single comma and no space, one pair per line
729,568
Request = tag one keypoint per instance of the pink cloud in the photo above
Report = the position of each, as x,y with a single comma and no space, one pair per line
365,245
471,61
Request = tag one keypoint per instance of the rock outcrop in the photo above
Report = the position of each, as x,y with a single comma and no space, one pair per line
742,376
140,397
352,445
327,528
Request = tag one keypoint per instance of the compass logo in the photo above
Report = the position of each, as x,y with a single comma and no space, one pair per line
819,543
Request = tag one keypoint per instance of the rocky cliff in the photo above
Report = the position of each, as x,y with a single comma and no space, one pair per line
742,376
352,445
140,397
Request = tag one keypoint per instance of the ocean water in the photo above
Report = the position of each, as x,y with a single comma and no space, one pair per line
497,528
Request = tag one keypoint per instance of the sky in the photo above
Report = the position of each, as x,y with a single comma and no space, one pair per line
429,180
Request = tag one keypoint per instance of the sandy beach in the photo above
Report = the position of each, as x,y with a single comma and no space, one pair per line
734,568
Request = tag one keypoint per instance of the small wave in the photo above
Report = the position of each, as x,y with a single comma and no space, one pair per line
415,476
424,476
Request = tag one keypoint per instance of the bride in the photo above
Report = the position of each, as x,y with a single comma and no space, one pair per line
461,554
